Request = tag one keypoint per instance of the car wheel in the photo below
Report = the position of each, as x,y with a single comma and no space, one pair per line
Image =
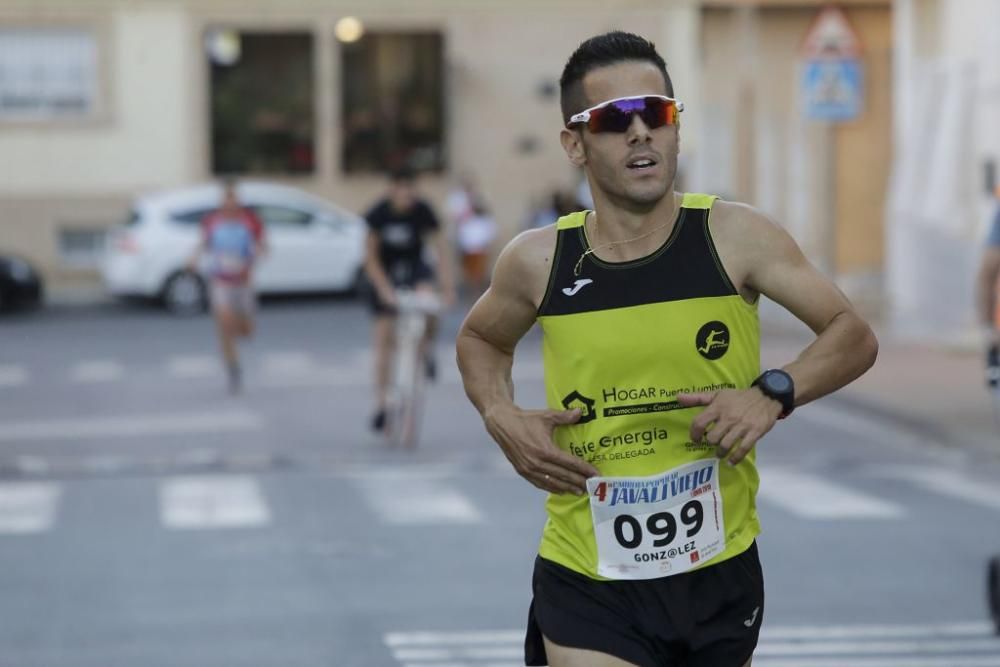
184,294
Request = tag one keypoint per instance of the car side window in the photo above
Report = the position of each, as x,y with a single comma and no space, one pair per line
191,217
282,216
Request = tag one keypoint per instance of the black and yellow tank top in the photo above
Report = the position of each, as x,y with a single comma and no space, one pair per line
621,340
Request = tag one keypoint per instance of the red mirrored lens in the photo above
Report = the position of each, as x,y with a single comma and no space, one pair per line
617,116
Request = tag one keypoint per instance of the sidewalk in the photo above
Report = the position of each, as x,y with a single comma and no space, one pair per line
936,390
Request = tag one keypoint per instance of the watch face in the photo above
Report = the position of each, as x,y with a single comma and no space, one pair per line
778,382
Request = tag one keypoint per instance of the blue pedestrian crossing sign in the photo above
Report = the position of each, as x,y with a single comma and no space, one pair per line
832,89
832,75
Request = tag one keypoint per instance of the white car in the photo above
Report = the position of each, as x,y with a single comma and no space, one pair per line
313,246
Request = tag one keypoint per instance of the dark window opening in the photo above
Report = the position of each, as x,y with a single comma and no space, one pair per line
393,102
263,112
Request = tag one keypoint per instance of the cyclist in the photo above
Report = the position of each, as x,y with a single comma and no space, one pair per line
400,226
233,239
648,308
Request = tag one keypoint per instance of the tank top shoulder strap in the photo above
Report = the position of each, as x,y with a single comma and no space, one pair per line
572,221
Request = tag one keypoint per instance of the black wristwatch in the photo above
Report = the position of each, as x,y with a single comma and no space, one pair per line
777,384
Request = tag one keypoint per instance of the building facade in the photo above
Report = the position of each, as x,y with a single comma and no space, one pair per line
162,93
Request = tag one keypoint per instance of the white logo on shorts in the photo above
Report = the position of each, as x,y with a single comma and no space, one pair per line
753,618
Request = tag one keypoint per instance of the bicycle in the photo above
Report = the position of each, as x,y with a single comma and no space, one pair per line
405,400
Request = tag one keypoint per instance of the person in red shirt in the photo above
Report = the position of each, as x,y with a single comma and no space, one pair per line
232,240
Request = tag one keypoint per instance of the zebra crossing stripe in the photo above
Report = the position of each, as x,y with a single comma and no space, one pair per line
947,482
426,501
199,502
931,645
193,366
283,363
130,426
12,376
811,497
99,370
27,507
952,661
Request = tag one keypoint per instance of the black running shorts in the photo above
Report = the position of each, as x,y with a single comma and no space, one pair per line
706,618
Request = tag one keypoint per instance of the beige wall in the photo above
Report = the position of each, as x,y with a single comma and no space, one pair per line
155,133
141,139
760,149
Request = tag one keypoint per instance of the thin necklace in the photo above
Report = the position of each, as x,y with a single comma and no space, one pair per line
611,245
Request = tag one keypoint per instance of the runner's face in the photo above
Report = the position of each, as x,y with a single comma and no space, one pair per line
606,156
403,195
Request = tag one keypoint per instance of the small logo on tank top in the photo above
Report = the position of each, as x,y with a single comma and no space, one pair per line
712,340
577,286
586,406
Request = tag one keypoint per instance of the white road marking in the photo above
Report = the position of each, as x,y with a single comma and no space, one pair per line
405,499
479,653
811,497
199,502
12,376
940,661
520,663
285,363
27,507
969,629
453,638
97,370
945,481
130,426
912,647
969,644
194,366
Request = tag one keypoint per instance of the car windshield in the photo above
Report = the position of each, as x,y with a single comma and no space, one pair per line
190,216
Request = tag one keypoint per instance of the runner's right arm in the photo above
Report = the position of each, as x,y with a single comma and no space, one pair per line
199,250
485,350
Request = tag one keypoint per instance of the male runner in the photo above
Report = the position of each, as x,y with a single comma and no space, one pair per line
648,306
399,226
233,239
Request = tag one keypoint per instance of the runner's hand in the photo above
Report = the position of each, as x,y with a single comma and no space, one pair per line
525,436
734,420
388,298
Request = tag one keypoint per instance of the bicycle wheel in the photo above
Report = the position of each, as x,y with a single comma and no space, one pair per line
411,408
407,389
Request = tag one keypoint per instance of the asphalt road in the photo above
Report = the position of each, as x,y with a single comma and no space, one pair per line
147,518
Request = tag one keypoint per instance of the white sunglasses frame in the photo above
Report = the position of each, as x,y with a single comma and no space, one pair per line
584,116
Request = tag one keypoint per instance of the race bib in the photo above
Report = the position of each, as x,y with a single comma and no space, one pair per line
657,526
231,263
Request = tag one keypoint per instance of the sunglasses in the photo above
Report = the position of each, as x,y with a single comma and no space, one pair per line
616,115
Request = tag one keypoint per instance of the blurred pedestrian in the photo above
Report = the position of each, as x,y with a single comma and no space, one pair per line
401,226
475,231
986,285
988,314
656,402
232,240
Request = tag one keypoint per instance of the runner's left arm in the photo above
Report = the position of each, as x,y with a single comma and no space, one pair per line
769,262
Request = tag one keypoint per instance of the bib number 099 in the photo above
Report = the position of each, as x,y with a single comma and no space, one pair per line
662,526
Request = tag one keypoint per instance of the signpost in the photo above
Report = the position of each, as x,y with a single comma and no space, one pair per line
832,78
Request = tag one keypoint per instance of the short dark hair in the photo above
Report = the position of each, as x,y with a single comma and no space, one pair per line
600,51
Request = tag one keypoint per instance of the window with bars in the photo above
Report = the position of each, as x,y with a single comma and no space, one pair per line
393,102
